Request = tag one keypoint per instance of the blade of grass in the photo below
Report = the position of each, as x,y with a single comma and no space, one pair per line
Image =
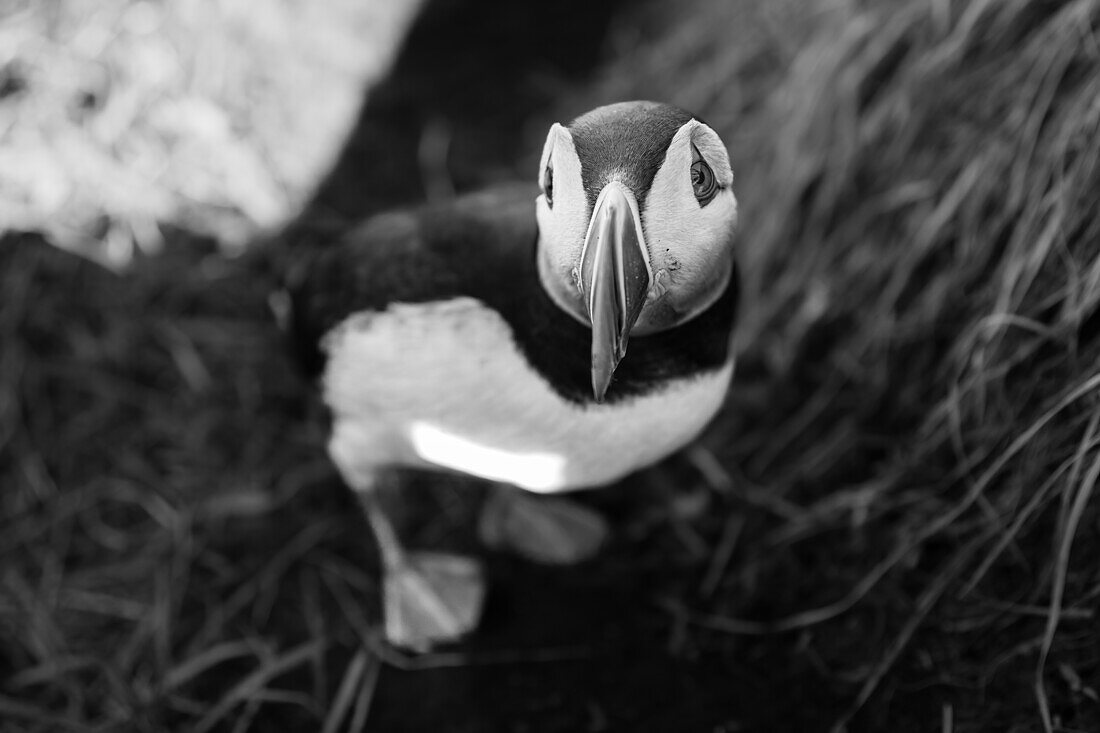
257,681
349,688
1070,524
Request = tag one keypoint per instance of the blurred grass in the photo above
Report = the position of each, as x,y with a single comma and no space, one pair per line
121,116
900,506
123,428
919,185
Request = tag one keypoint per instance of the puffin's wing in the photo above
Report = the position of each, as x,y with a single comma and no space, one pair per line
433,253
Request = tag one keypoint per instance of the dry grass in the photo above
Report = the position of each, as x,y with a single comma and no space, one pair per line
145,442
920,188
902,505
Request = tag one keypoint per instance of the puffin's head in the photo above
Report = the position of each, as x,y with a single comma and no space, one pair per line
636,223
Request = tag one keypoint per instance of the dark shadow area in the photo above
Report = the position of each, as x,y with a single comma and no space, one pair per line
588,649
459,100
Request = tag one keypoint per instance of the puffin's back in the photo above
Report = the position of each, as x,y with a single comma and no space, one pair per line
434,252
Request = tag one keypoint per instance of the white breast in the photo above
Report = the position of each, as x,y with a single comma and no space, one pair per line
443,384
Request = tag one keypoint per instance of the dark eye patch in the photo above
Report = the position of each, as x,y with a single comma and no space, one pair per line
703,183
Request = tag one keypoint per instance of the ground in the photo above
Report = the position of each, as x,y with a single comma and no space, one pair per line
890,526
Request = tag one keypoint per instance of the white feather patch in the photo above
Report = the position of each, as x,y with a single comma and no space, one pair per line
562,227
690,247
443,385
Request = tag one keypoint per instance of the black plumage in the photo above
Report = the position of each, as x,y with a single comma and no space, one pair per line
626,140
483,246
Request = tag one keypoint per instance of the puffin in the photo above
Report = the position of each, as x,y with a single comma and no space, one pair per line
544,338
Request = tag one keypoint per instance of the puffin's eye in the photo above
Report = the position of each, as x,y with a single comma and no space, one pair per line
703,182
548,187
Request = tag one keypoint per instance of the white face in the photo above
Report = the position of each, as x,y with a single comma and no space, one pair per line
563,226
688,239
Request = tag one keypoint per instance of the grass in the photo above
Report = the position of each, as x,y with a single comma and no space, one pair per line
897,505
919,185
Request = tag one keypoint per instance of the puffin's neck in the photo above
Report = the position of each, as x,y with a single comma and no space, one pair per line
658,315
558,344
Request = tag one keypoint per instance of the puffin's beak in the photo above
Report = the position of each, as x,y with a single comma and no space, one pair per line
614,279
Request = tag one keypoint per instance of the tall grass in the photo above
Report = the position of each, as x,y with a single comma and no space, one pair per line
920,193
